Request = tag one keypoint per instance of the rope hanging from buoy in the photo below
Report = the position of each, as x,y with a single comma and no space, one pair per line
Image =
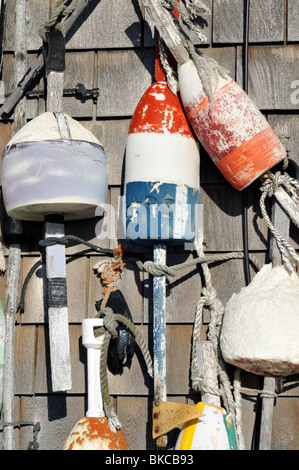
109,271
111,321
210,299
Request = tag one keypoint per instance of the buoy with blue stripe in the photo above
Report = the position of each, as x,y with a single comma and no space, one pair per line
215,430
161,172
162,196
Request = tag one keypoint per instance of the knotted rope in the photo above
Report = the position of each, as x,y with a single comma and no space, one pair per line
109,329
269,186
59,12
162,269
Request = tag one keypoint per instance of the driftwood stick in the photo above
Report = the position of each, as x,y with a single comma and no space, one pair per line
163,21
37,66
55,254
14,257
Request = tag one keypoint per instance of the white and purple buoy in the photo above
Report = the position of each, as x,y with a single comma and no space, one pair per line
53,170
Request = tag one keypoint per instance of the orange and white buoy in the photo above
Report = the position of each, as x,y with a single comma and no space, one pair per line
236,135
92,432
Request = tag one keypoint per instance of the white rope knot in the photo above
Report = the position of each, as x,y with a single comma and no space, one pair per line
210,296
271,183
268,188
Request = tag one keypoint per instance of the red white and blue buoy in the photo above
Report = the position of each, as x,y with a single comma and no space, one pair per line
162,171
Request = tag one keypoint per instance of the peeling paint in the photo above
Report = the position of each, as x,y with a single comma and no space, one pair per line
236,136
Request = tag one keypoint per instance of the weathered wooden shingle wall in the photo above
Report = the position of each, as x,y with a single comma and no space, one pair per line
114,50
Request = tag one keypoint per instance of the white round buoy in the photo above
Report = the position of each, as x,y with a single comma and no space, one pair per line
261,324
53,165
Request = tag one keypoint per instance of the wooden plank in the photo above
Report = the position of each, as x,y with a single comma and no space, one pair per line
292,20
25,342
57,306
222,209
272,68
285,424
108,24
286,127
120,74
42,383
133,413
113,136
57,415
37,12
266,21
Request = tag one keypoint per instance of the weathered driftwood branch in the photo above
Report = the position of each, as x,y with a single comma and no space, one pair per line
14,257
37,66
163,21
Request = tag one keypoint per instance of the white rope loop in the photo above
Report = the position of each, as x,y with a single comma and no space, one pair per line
272,182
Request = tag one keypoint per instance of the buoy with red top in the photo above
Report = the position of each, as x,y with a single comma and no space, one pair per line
161,195
162,170
235,134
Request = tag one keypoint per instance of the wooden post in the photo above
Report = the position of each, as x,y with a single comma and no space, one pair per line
281,222
37,66
57,306
16,230
159,320
55,254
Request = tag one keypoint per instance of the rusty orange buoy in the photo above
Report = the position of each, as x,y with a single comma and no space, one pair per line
236,135
92,433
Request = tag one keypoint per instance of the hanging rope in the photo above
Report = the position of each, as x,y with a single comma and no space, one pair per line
268,188
209,298
109,271
60,11
111,320
171,75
